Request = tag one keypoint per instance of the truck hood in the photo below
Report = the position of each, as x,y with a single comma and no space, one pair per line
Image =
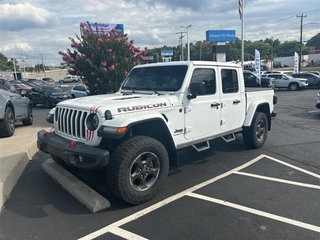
118,103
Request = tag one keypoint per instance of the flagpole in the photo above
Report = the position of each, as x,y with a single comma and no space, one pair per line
242,35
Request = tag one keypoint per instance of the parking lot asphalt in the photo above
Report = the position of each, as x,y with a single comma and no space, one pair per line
227,192
16,152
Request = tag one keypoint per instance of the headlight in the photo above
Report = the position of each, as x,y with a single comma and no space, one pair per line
108,114
23,92
92,122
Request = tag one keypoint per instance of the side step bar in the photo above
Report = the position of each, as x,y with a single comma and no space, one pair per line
229,137
201,146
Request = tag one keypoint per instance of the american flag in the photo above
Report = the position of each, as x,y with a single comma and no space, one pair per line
240,9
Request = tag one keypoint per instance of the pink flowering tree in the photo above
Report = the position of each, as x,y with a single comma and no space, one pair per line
101,59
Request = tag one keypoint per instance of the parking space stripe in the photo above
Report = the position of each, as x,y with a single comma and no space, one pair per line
256,212
279,180
166,201
126,234
294,167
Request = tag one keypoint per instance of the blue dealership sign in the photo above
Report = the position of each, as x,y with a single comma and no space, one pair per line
166,52
220,35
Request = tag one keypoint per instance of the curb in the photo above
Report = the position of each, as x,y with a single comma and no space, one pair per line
11,169
82,192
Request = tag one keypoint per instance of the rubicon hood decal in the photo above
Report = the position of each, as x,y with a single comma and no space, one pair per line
140,107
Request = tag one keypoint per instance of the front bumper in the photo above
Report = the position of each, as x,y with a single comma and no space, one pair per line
75,154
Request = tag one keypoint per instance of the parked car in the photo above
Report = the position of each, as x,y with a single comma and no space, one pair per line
13,108
250,80
287,81
315,72
318,100
47,81
22,88
47,95
69,79
79,90
313,79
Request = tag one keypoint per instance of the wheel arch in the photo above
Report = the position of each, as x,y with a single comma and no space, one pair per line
258,106
10,104
158,129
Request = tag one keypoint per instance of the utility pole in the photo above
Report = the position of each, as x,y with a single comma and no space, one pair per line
44,70
272,53
180,38
300,55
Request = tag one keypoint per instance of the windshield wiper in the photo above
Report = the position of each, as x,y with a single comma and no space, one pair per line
154,90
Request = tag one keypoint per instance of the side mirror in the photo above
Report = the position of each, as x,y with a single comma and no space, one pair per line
196,89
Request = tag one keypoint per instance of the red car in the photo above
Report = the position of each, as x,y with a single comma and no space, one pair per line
22,88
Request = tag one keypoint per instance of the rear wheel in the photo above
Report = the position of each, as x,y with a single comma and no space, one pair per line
137,169
7,129
294,86
255,135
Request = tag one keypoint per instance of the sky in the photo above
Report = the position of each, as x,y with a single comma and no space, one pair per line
34,31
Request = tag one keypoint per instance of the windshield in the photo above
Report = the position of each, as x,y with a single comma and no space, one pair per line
6,85
53,89
159,78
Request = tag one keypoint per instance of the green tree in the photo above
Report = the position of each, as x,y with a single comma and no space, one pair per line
314,42
102,60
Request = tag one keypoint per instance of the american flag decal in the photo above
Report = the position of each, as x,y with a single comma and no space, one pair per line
89,133
240,9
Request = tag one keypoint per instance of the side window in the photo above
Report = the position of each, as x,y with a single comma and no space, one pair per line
206,77
229,78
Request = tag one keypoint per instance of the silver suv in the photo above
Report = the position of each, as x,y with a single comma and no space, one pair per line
13,108
79,90
287,81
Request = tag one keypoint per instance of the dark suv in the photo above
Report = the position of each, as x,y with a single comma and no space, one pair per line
47,95
313,79
250,80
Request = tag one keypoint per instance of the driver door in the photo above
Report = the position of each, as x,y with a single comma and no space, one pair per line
202,113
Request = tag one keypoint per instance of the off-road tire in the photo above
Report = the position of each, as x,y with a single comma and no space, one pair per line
294,86
29,120
47,103
7,127
128,166
255,135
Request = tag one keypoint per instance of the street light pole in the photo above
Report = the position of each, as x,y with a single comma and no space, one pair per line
188,44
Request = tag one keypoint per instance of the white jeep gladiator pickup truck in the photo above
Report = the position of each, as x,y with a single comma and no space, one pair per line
134,134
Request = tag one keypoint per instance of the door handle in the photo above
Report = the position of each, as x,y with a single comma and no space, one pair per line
215,104
236,101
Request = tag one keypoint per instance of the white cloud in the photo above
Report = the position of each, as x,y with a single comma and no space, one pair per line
17,17
40,27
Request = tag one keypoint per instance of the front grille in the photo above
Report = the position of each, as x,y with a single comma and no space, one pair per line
71,122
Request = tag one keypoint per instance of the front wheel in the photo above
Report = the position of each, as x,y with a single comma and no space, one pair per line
47,103
137,169
7,127
294,86
255,135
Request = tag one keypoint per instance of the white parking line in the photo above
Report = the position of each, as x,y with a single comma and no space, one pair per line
257,212
279,180
115,227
